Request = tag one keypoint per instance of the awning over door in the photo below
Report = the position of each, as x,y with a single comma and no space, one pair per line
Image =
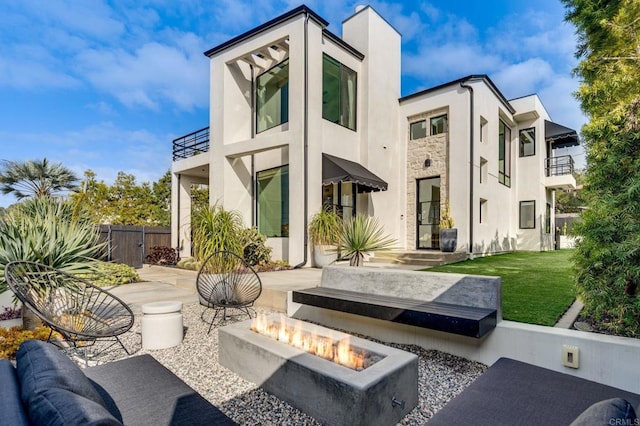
562,137
338,170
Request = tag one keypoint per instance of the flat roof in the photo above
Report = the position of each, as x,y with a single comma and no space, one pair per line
300,10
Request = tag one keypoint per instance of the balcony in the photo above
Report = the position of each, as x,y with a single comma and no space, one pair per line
192,144
559,172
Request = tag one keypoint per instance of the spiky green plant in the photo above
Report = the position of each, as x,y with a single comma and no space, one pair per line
325,227
214,229
45,230
362,234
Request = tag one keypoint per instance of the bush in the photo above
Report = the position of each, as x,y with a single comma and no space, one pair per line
107,274
162,255
255,250
49,231
10,313
189,263
215,229
11,338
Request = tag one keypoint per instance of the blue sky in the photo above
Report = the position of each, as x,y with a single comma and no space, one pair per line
107,85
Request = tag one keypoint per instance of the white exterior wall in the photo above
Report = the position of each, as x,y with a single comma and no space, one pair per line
379,143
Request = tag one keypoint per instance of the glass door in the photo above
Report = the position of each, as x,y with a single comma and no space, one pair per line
428,213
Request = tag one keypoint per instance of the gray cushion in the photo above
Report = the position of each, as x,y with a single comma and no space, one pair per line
60,407
615,411
11,408
147,393
516,393
41,366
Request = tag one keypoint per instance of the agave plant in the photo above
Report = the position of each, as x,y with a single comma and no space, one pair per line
215,229
360,235
46,230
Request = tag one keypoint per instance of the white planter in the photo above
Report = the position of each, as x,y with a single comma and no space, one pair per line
324,255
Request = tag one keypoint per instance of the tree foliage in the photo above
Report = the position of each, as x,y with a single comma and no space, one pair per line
35,178
125,202
608,256
572,201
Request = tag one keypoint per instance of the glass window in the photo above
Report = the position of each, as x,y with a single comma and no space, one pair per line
527,214
272,97
504,154
338,93
528,142
547,219
273,201
341,198
418,129
438,124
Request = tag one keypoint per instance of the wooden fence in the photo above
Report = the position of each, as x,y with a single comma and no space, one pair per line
131,244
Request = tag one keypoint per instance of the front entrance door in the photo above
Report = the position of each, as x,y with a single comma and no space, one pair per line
428,214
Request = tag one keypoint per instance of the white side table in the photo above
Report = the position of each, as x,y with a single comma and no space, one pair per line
161,325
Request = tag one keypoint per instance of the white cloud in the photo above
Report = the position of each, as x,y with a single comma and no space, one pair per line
152,74
523,78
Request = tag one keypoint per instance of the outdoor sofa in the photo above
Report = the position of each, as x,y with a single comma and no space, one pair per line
47,387
515,393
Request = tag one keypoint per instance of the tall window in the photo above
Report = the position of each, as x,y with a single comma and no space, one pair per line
504,154
438,124
338,93
418,129
547,219
273,202
527,214
527,142
483,129
272,97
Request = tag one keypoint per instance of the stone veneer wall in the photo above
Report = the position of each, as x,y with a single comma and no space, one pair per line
418,150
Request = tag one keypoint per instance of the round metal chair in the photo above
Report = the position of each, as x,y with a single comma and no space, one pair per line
80,311
224,281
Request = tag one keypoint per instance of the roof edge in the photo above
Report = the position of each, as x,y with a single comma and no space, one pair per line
340,42
303,9
473,77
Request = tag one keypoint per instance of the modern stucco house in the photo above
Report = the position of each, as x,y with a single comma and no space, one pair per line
300,117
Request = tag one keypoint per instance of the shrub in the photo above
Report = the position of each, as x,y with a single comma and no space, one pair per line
255,250
215,229
11,338
324,227
189,263
106,274
162,255
49,231
362,234
10,313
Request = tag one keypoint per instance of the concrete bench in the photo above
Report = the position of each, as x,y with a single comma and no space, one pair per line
460,304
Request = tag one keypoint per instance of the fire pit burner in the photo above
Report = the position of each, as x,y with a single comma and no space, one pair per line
380,393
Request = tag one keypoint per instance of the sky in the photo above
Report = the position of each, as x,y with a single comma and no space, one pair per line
107,85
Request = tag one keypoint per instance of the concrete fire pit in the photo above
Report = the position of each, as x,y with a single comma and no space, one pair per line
381,394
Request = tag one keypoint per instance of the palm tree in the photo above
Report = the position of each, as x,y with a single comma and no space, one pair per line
35,178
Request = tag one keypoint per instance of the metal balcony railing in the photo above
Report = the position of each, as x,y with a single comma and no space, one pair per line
192,144
558,166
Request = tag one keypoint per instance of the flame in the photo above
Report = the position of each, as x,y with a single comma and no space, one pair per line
323,346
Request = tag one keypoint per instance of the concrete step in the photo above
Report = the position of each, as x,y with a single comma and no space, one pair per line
417,258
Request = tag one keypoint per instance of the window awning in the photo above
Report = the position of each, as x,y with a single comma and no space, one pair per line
338,170
561,136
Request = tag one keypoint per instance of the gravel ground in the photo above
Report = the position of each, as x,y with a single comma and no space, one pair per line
441,376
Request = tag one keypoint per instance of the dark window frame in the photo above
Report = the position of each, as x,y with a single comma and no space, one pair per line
522,145
446,124
257,104
340,106
284,233
547,219
504,154
520,214
424,120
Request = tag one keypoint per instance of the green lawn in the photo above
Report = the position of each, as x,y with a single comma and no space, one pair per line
537,287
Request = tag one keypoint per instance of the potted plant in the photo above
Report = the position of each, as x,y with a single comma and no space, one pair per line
448,234
324,232
360,235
